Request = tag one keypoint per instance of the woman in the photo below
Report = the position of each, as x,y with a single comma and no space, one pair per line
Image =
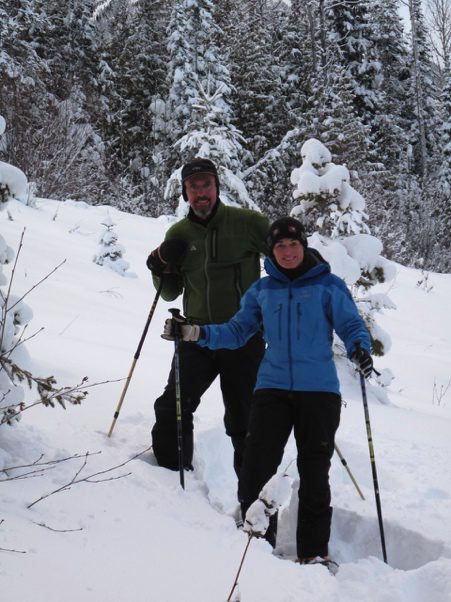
298,306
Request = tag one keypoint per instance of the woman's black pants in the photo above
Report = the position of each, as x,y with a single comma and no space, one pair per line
315,417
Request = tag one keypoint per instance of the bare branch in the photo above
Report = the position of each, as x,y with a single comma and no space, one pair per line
438,14
49,465
39,472
16,551
90,478
35,285
8,549
57,530
22,340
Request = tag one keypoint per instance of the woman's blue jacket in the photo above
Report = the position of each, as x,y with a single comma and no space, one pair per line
297,318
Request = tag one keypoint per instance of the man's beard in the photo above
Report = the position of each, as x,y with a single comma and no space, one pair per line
202,212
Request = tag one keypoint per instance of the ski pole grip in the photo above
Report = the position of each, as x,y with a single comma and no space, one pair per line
176,319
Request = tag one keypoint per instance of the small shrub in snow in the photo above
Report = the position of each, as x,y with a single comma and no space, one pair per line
109,253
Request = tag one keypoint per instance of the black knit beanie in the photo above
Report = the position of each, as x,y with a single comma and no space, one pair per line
286,227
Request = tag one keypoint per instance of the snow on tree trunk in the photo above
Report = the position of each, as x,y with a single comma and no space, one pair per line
334,213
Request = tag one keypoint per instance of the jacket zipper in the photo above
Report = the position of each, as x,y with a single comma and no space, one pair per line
290,358
237,278
279,312
298,321
210,251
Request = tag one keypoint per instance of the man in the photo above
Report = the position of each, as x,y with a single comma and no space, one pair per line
212,256
299,305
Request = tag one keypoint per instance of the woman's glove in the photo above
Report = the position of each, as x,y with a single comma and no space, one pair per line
187,332
363,360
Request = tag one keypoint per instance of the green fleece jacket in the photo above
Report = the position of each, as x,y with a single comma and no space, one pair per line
221,261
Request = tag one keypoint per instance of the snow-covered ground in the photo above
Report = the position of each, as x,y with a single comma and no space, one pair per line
141,537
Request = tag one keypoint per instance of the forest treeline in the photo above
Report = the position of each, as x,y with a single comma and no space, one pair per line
104,100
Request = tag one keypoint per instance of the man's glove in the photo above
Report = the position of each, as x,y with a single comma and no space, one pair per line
168,253
363,360
187,332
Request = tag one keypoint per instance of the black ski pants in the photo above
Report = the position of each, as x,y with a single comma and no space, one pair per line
315,417
199,366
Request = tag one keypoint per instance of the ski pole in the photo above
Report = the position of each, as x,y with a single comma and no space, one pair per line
373,466
235,583
178,397
135,358
348,470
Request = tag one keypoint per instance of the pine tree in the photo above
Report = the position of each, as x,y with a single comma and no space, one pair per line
297,55
332,118
334,213
47,91
211,134
110,253
261,112
422,92
268,180
14,313
133,79
351,36
389,123
445,135
442,206
194,62
199,101
22,78
389,126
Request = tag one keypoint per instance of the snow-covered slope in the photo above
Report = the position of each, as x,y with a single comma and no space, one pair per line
142,538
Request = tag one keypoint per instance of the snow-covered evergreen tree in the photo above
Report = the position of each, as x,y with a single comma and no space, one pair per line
14,313
423,129
110,252
133,80
296,59
15,316
442,205
23,93
334,215
48,68
217,139
194,63
199,100
349,32
259,100
332,118
13,182
445,136
268,180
